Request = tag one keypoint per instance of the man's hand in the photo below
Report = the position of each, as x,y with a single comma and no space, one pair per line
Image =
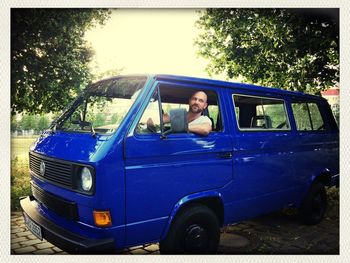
150,122
166,118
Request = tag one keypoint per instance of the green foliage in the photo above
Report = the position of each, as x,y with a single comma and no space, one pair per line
115,118
105,74
99,119
49,56
20,184
28,122
43,123
20,177
336,112
14,124
294,49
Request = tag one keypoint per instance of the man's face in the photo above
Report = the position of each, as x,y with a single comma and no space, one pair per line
198,102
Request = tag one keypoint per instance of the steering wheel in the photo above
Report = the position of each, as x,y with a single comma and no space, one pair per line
320,128
151,129
281,125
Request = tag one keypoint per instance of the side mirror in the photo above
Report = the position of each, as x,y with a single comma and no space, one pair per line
178,121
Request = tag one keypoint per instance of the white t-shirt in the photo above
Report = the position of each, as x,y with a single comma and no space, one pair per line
201,120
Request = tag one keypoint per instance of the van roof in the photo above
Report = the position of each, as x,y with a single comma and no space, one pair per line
236,85
227,84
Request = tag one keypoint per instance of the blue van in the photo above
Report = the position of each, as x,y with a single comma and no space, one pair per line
120,166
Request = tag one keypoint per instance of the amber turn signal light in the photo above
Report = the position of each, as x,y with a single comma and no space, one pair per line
102,218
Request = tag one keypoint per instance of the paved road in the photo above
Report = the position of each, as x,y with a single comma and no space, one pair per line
276,233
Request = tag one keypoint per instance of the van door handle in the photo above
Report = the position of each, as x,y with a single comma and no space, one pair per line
224,155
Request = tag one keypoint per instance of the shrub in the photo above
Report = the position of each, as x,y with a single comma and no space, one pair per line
20,182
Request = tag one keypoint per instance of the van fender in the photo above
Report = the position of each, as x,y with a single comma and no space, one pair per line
186,200
323,175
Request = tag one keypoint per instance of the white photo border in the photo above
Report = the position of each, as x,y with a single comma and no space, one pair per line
5,139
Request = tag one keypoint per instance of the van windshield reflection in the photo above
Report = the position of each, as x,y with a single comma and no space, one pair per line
101,107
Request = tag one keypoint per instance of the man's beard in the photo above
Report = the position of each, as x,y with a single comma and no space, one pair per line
198,110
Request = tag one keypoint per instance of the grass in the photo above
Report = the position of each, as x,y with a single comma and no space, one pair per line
20,147
20,178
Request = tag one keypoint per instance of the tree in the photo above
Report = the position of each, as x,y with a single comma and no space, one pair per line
294,49
43,123
98,74
99,119
49,56
14,124
115,118
28,122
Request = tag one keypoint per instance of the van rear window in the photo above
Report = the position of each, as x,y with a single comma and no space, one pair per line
307,116
259,113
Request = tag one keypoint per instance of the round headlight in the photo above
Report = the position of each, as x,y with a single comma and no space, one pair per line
86,179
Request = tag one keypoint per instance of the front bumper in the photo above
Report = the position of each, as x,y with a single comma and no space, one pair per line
60,237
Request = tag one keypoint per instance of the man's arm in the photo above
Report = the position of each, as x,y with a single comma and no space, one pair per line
201,129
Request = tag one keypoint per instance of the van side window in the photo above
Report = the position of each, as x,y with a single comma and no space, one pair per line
175,98
302,117
307,116
260,113
316,118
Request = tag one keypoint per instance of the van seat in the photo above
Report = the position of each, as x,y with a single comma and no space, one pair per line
261,121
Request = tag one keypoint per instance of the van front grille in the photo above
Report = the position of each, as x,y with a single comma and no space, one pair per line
60,206
56,171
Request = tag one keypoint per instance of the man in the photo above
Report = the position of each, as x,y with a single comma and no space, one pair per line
197,123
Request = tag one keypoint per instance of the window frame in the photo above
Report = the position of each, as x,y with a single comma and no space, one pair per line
157,90
261,129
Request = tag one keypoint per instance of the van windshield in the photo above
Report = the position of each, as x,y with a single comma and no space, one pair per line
101,107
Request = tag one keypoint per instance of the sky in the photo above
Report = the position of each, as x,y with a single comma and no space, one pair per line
142,41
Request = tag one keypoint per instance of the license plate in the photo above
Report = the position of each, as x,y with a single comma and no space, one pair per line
33,227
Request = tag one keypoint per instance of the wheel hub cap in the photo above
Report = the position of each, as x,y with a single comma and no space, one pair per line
196,237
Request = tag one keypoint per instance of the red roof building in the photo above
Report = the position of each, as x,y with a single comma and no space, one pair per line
330,92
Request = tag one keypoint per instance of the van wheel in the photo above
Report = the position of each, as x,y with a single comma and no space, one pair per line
195,230
314,205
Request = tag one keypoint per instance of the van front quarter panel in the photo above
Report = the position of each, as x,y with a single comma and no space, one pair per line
64,153
111,172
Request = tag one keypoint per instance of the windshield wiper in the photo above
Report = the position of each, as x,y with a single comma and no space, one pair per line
83,124
65,113
53,128
93,131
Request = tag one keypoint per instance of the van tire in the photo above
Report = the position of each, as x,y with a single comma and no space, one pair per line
314,205
195,230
